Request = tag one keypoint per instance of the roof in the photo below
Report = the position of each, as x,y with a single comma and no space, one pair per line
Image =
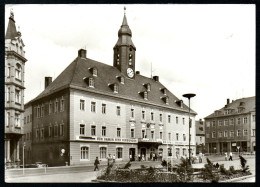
80,68
248,105
198,125
11,32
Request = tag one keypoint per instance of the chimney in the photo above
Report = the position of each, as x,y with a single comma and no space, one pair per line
227,101
82,53
137,72
156,78
48,81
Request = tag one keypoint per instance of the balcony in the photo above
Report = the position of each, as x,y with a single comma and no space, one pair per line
105,139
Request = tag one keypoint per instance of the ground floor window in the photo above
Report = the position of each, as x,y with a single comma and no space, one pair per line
84,153
103,152
119,152
169,152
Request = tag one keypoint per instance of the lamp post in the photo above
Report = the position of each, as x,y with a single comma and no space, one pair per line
24,144
189,95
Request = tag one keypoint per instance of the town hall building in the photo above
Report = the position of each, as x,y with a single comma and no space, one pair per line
95,110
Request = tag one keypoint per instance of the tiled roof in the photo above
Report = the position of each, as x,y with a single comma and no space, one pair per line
80,69
248,105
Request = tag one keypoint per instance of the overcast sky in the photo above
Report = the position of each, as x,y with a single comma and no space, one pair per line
208,50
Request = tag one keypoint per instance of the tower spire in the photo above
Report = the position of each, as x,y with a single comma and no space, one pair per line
11,31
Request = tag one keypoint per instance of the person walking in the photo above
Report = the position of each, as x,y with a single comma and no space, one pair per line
230,156
114,158
96,163
226,157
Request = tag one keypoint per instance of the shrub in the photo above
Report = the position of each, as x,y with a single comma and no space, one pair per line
232,170
224,171
164,163
184,170
143,166
243,161
207,172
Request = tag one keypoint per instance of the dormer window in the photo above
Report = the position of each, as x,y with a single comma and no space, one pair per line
145,95
91,82
164,91
166,100
94,72
180,103
121,79
115,88
148,86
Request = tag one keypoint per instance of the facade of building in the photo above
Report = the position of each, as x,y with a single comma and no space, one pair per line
95,110
14,92
232,128
200,136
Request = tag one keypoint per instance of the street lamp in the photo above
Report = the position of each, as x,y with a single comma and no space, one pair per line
189,95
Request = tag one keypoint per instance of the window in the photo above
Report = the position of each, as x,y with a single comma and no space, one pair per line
17,120
177,120
143,115
8,70
84,153
118,132
167,100
61,130
17,96
94,72
56,130
8,94
91,82
82,105
253,132
103,108
132,113
169,118
169,136
132,133
214,134
118,110
119,153
160,117
245,120
103,152
208,123
37,133
122,80
42,133
143,133
152,134
62,104
232,121
50,108
245,133
177,136
117,59
238,132
115,88
225,133
93,130
38,111
220,134
104,131
93,106
50,131
148,87
213,124
169,152
28,119
231,133
145,95
42,111
183,121
18,70
253,118
238,120
8,119
56,106
207,135
184,137
152,116
219,123
82,129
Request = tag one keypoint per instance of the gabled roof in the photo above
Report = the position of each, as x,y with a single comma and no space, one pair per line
248,105
74,74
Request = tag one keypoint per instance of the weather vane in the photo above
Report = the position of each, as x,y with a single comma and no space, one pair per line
11,12
124,9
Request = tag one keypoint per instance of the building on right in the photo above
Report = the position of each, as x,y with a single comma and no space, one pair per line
232,128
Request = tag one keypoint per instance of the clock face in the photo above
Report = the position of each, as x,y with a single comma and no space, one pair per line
130,72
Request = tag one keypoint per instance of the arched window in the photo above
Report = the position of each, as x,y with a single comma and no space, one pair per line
84,153
103,152
18,70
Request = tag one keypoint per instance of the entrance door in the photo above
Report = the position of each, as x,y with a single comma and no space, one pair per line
143,154
132,154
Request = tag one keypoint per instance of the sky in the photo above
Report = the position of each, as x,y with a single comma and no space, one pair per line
205,49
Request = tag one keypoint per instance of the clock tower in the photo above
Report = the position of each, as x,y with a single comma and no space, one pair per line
124,51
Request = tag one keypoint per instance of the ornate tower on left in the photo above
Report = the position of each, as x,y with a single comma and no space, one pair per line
14,92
